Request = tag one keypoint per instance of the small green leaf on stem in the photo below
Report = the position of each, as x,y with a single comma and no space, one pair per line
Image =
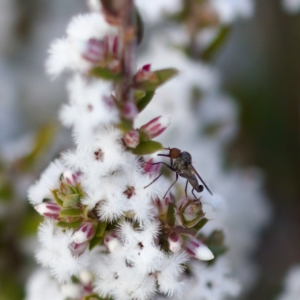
147,147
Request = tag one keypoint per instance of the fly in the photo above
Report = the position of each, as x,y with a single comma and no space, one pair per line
181,164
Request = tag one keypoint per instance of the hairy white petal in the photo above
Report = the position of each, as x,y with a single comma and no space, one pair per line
48,181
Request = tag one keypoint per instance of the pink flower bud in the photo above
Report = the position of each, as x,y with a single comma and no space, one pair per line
132,138
78,249
175,242
48,209
94,50
69,177
163,205
150,168
111,241
198,250
84,233
155,127
146,68
130,110
144,74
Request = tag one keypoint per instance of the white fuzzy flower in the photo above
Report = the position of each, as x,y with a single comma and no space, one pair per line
130,271
211,282
55,252
88,107
169,278
49,180
42,286
66,53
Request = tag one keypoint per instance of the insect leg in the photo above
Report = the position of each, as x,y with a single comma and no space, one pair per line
153,180
160,173
171,185
186,188
194,194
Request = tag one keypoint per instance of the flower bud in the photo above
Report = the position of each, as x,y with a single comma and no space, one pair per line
48,209
130,110
132,138
71,291
163,205
144,74
150,168
84,233
155,127
198,250
191,213
175,242
111,241
86,277
69,177
78,249
93,50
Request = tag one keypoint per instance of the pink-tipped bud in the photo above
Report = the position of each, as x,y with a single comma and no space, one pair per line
111,241
84,233
48,209
78,249
198,250
93,50
69,177
150,168
156,126
144,74
163,205
146,68
86,277
130,110
132,138
175,242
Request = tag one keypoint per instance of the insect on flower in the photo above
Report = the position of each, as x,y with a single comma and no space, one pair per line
181,164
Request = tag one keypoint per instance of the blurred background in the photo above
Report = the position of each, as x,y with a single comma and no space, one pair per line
260,67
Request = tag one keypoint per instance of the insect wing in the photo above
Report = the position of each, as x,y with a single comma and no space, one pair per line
190,176
194,170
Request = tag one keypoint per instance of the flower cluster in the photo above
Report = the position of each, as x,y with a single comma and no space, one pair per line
111,228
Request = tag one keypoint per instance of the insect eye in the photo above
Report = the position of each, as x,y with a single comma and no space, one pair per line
174,153
201,188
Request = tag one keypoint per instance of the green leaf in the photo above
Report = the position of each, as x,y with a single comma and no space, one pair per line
70,225
95,297
171,215
144,101
6,188
215,242
70,212
192,223
201,224
223,34
43,140
164,75
58,200
70,200
105,74
125,125
160,77
147,147
138,95
101,229
96,240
